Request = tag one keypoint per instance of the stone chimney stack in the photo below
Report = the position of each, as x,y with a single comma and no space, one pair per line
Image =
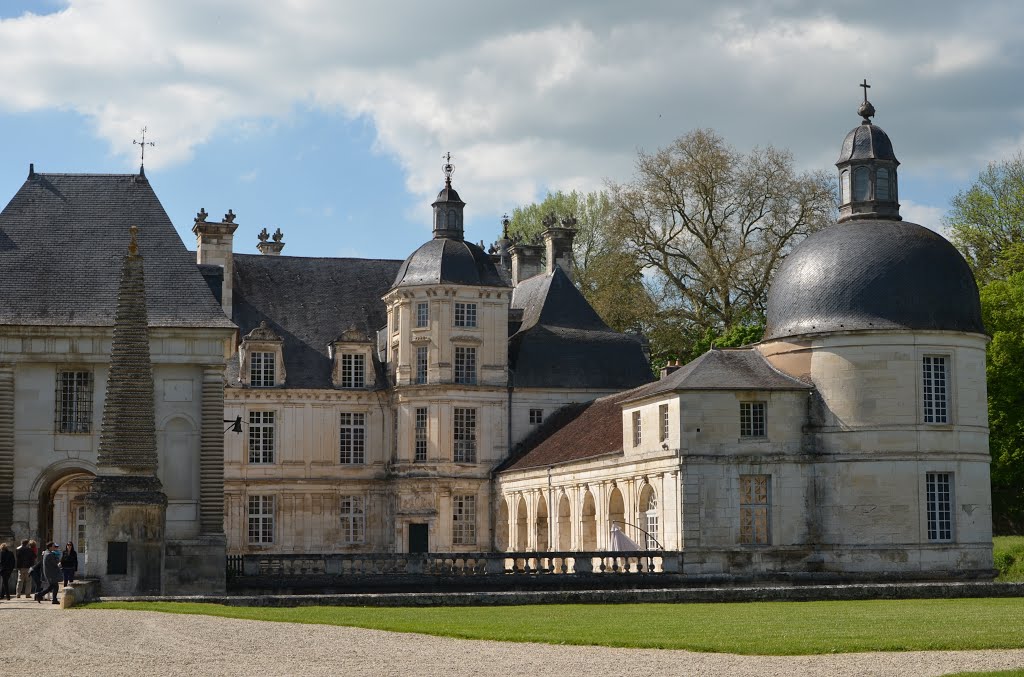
526,261
214,243
558,243
268,248
670,368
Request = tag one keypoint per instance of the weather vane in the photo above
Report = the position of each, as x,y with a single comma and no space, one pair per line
143,144
448,168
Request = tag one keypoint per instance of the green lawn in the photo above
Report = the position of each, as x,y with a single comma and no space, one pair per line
1008,553
778,628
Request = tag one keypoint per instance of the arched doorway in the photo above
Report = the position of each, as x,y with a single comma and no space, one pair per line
522,526
564,524
61,516
542,523
616,509
648,516
501,528
589,522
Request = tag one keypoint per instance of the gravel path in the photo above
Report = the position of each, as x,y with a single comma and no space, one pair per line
84,642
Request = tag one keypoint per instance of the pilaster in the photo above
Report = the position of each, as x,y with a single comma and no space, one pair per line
6,450
211,453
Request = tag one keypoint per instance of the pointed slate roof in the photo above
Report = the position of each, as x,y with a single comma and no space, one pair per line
309,302
563,343
717,369
62,237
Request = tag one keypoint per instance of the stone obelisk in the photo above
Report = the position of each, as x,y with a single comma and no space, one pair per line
126,507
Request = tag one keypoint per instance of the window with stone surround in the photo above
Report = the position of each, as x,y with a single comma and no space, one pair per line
261,437
637,436
752,419
422,314
353,520
262,372
536,416
465,365
939,505
353,370
662,422
465,314
420,437
465,435
74,401
421,364
755,509
935,388
464,520
352,438
261,520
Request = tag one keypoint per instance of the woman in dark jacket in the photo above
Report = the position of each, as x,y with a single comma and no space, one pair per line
69,563
7,565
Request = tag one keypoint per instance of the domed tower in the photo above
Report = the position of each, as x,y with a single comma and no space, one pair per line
447,356
882,316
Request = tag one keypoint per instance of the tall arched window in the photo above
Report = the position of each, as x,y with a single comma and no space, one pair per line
649,516
860,184
452,219
844,182
882,184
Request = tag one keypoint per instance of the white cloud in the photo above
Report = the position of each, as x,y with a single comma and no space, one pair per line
539,95
925,215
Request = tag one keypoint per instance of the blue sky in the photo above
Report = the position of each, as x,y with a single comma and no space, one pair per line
328,119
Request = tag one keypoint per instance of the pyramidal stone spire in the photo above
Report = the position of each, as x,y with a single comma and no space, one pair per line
128,433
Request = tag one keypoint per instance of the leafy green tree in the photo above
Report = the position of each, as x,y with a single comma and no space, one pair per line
988,218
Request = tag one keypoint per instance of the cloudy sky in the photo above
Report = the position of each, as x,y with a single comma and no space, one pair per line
328,118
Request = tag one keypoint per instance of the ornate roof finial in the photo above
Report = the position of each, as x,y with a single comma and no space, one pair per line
142,144
133,244
505,223
278,235
549,220
201,215
263,235
229,217
448,168
866,110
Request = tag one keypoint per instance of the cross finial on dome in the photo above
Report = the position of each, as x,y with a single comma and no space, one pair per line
448,168
866,110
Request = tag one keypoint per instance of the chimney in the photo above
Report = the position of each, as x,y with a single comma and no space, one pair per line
214,242
558,243
526,261
268,248
670,368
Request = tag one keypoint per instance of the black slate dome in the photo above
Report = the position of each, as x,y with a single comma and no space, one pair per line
866,141
449,261
873,274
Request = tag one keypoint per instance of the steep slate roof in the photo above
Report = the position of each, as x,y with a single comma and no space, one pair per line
593,429
562,342
737,369
309,303
62,238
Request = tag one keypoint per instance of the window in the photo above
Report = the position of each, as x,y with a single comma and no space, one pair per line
465,435
752,419
465,314
80,526
261,519
420,438
755,509
261,437
934,389
844,182
882,184
422,314
939,493
860,184
353,370
464,520
465,365
636,429
663,422
353,438
353,520
74,401
650,516
421,364
536,416
261,370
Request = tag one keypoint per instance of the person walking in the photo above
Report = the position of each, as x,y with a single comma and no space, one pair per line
51,573
69,563
7,565
37,568
24,559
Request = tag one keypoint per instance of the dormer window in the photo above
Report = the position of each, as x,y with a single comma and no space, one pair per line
261,358
352,354
353,370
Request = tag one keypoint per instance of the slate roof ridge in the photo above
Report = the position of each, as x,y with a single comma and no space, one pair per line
315,258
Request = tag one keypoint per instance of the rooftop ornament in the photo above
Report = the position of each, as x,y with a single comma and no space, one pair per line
866,110
448,168
142,145
230,217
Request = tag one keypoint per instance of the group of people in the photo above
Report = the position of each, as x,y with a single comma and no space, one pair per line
39,573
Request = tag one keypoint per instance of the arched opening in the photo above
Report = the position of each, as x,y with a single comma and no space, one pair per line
882,184
564,524
501,528
616,510
542,524
861,184
844,183
61,516
589,522
522,526
648,516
